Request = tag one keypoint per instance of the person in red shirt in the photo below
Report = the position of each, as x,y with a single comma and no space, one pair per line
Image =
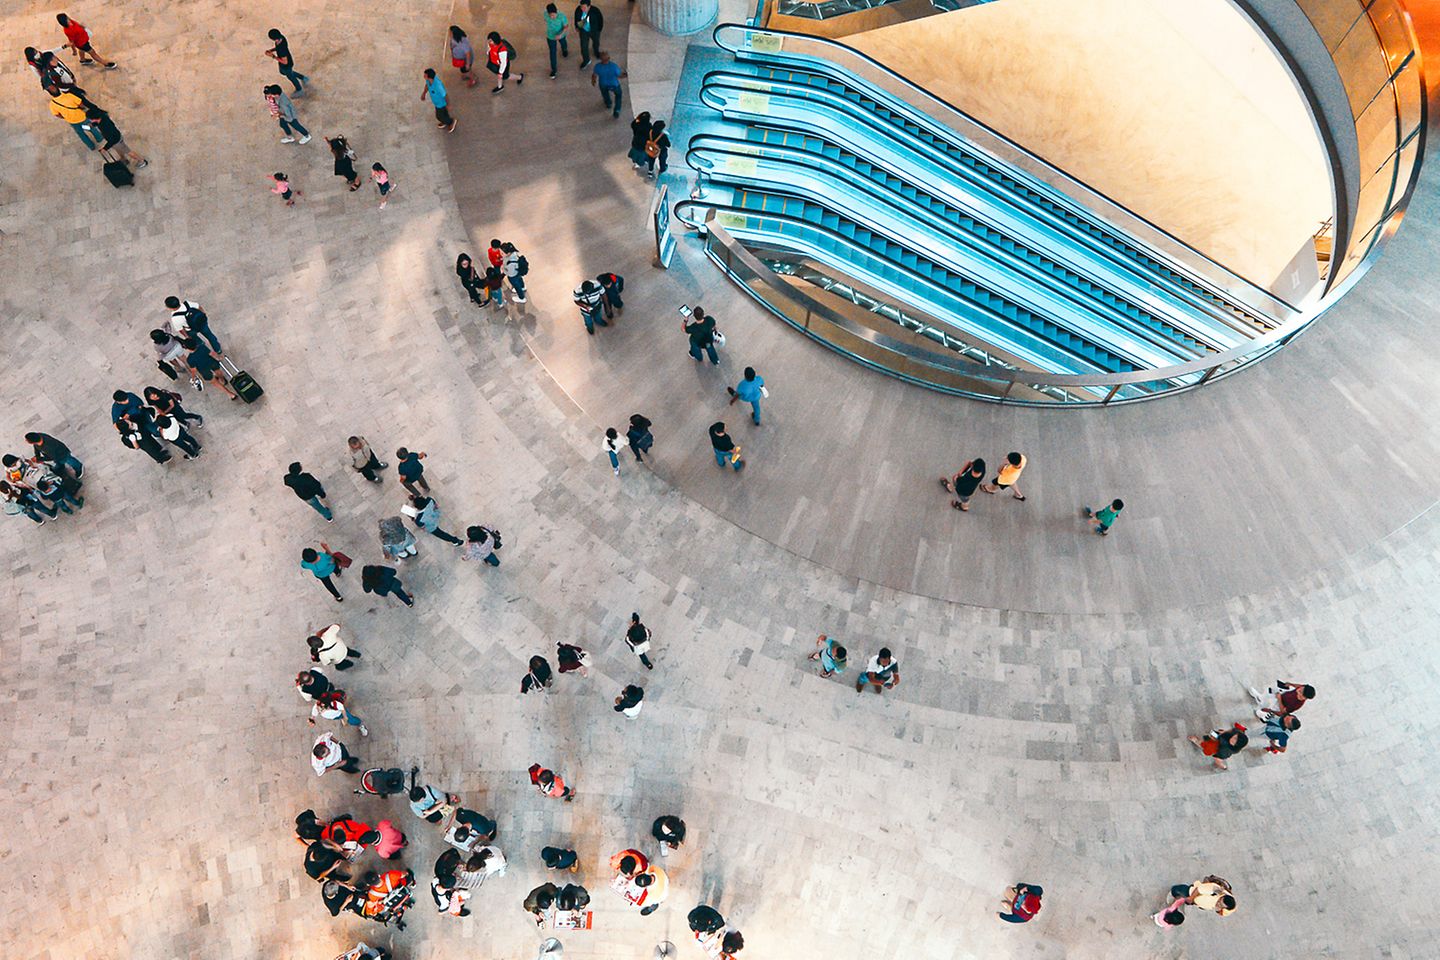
77,38
1288,698
1023,905
498,62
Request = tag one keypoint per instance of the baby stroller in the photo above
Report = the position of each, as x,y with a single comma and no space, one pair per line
389,897
380,782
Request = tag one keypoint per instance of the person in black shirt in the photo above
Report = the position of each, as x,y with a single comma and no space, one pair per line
470,278
307,488
725,448
670,832
661,141
701,330
109,135
589,21
639,133
280,53
638,639
55,454
639,436
704,920
383,582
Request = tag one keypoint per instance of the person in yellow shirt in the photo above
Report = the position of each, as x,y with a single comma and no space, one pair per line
1008,476
1213,894
657,886
70,108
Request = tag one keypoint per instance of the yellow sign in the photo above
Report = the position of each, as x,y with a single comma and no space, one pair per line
766,42
755,102
733,221
741,166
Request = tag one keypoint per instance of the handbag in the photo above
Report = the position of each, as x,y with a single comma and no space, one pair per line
341,560
764,393
718,338
195,382
735,455
166,369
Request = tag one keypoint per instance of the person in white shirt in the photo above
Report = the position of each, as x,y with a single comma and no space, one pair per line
882,672
328,753
327,649
188,320
612,448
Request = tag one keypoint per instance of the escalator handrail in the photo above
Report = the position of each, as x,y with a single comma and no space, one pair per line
1163,332
1176,287
1252,288
1050,299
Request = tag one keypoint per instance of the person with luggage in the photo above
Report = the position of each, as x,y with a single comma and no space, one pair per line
323,565
281,187
498,57
307,488
639,436
589,21
363,459
280,53
657,149
77,38
612,285
1021,902
174,433
283,112
637,638
481,544
111,140
344,161
555,25
383,581
588,297
205,366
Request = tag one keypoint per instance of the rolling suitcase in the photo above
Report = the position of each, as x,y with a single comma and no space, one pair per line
116,171
241,382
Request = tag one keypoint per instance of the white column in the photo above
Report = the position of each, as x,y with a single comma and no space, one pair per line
679,17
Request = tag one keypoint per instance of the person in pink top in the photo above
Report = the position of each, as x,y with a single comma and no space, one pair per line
1170,915
283,190
383,183
549,784
391,841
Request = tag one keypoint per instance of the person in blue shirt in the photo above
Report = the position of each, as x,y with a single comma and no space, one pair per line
322,564
750,389
606,75
1278,730
435,91
128,405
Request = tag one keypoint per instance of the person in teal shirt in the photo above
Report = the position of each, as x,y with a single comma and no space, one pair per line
435,91
750,389
1105,517
322,564
555,25
831,656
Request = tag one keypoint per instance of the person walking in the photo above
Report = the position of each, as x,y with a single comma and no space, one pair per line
657,149
435,92
1286,697
327,649
280,186
639,136
1213,894
167,403
50,70
1008,477
831,656
55,454
881,673
174,433
701,330
311,684
669,833
411,471
189,321
1171,915
283,111
103,129
384,582
1221,745
331,706
558,858
498,56
323,565
1105,517
550,783
136,433
964,484
589,21
611,447
481,544
308,489
572,659
639,436
280,53
751,389
205,366
77,38
588,297
607,75
427,518
637,638
1278,729
471,279
344,161
383,183
514,267
631,699
396,542
727,451
363,459
1022,903
462,54
538,677
68,106
612,285
329,754
555,25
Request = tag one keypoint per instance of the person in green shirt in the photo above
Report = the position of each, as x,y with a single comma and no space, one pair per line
1105,517
555,25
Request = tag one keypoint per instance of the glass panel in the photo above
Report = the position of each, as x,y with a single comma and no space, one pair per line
1409,94
1332,20
1406,168
1375,129
1362,67
1394,37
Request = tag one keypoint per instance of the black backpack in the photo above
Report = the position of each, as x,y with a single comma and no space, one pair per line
522,266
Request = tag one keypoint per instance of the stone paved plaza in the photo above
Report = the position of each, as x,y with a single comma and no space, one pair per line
156,752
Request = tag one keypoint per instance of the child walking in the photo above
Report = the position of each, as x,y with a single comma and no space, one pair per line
612,448
381,176
1105,517
283,190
